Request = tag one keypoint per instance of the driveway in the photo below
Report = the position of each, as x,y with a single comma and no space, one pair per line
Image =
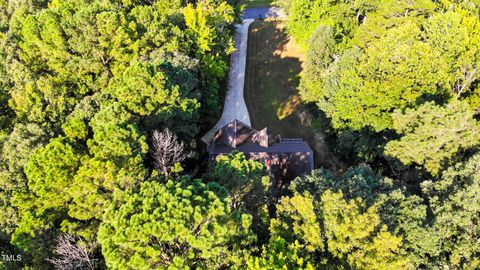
235,107
265,12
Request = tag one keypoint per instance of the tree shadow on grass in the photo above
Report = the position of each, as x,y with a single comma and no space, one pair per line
274,65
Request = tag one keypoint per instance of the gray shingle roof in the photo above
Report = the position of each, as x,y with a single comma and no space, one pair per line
237,135
281,147
234,134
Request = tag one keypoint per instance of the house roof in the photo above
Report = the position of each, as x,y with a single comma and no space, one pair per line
240,136
234,134
281,147
295,154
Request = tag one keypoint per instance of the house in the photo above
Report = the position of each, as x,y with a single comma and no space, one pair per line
284,158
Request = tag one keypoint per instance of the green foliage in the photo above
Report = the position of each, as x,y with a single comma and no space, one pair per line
201,17
82,84
305,16
172,225
455,204
394,72
76,124
49,172
434,135
16,149
114,134
92,79
330,231
142,90
405,215
76,48
456,35
246,180
209,29
361,182
367,60
296,234
361,146
94,183
319,57
390,14
247,183
356,234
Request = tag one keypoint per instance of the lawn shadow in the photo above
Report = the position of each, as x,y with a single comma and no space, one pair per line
273,71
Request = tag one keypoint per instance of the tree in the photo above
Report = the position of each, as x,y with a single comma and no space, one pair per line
455,34
176,224
394,72
143,90
404,214
455,205
85,82
16,151
93,186
319,57
49,171
116,137
355,233
209,28
330,231
76,124
305,16
386,15
116,161
434,135
245,179
296,238
358,182
166,151
247,183
72,254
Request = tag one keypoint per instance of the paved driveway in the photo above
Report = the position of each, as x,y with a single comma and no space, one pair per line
235,107
265,12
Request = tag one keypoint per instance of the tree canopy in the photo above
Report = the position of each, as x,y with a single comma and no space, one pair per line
82,85
173,225
101,166
433,135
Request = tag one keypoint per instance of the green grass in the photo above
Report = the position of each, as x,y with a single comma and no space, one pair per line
274,67
256,3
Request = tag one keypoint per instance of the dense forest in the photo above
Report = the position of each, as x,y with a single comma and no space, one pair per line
103,103
398,84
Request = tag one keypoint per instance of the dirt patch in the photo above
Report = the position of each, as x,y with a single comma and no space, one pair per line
274,67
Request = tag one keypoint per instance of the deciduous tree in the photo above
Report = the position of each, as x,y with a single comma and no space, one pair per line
434,135
456,207
166,151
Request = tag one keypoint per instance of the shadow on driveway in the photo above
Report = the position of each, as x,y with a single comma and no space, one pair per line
264,12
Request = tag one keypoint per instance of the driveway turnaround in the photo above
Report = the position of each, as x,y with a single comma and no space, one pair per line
263,12
235,107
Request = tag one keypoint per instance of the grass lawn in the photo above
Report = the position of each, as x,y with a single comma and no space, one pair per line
256,3
274,67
